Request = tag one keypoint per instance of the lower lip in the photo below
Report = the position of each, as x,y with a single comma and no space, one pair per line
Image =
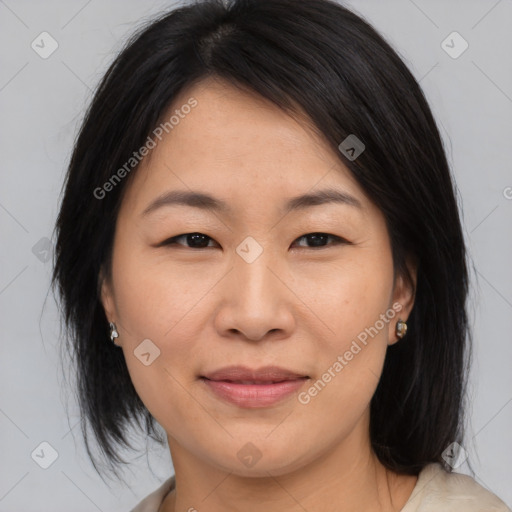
254,395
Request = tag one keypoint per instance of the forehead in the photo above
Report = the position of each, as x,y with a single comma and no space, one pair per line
235,143
235,124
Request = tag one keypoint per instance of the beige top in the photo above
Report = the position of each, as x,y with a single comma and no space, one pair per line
435,491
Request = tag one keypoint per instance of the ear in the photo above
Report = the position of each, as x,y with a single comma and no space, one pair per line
404,292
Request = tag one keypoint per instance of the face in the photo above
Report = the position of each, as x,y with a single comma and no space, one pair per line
306,285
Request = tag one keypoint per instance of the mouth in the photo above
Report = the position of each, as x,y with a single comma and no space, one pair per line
252,382
243,374
248,388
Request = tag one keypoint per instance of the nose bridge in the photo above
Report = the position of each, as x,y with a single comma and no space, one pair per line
254,279
257,301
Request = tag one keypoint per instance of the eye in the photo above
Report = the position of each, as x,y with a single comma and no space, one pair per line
320,239
196,240
201,241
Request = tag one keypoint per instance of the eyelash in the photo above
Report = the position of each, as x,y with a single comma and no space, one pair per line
173,241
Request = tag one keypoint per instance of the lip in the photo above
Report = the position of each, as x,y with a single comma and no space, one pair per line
250,388
243,373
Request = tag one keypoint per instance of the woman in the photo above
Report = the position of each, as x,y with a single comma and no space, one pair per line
259,249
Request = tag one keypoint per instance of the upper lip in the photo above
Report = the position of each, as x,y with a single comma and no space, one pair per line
243,373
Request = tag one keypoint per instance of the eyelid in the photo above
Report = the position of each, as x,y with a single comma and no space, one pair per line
338,240
171,240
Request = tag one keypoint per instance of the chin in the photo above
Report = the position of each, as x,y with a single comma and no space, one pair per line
250,461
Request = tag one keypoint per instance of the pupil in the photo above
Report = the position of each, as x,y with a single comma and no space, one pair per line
195,237
317,239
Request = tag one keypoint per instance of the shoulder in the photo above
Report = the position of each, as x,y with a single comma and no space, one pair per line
440,491
152,502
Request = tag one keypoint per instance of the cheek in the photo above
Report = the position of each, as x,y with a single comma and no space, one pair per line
154,295
164,303
350,300
349,296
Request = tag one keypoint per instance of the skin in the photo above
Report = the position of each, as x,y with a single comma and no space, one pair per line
297,306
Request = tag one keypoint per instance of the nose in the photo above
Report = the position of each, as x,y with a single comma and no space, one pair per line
256,302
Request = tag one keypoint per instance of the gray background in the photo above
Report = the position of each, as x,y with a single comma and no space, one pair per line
42,101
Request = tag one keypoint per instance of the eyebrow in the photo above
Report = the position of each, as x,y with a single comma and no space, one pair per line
209,203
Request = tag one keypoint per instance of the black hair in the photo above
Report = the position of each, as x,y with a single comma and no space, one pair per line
315,59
